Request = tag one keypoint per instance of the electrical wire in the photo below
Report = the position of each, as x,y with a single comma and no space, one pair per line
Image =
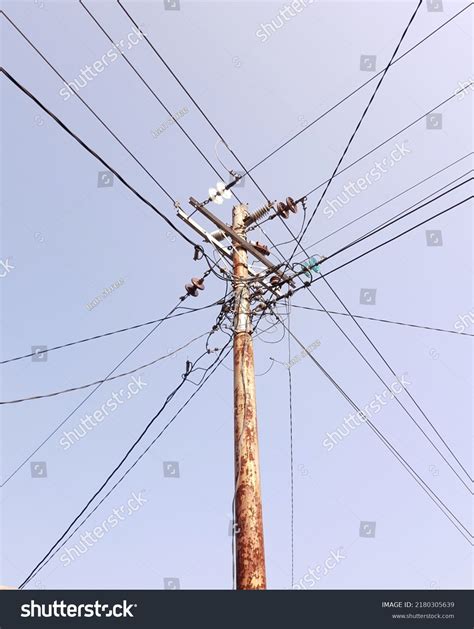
99,382
55,548
106,334
399,402
152,91
397,218
390,221
97,156
89,395
390,200
186,91
455,521
96,116
348,96
392,137
351,139
368,363
409,325
383,244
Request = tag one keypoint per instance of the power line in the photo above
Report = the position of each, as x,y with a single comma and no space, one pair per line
54,431
380,378
408,325
390,200
97,156
392,371
99,382
371,100
89,108
196,104
387,443
106,334
404,213
399,402
152,91
298,241
343,100
452,207
392,137
53,550
397,218
383,244
385,223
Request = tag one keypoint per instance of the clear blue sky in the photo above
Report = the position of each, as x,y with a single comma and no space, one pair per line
69,239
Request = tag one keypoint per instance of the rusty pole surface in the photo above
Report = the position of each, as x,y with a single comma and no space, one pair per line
248,531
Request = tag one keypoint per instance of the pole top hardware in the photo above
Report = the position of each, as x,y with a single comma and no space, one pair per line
195,285
285,208
261,247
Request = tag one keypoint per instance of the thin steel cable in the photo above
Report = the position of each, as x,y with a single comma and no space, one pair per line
399,402
392,371
390,200
355,91
362,118
51,553
170,197
97,156
409,325
100,382
386,442
191,97
89,395
106,334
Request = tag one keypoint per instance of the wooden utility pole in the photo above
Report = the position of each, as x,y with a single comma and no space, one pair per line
248,529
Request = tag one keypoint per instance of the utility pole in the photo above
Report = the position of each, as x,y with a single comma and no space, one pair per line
248,525
248,521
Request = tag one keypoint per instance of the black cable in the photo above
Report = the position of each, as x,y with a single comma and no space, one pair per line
386,442
383,244
308,126
371,100
18,468
452,207
408,325
399,402
368,363
397,218
100,159
391,220
152,91
196,104
48,557
384,225
392,137
104,380
89,108
342,171
100,336
390,200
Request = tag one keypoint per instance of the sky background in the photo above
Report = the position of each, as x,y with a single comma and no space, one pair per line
68,239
